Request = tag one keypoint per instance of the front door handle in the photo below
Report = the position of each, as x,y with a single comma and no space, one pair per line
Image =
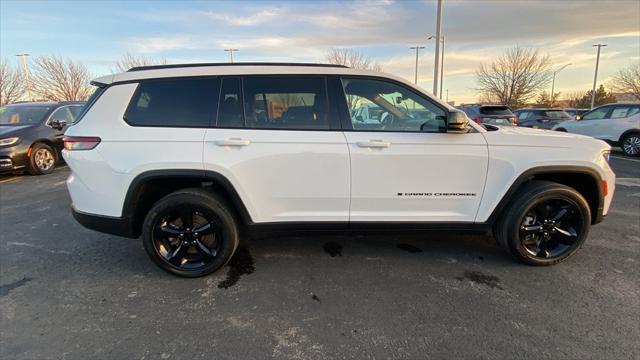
233,142
374,144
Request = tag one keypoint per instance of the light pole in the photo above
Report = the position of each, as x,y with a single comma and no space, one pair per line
595,76
442,68
231,50
436,67
417,48
553,83
25,68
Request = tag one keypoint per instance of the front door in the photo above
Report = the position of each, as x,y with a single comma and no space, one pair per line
405,167
592,123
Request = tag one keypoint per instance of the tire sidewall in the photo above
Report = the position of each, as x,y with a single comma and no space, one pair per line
624,140
520,209
205,203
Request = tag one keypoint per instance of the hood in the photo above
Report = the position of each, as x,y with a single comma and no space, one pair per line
522,136
11,130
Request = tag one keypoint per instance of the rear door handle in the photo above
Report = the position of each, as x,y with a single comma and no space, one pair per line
374,144
233,142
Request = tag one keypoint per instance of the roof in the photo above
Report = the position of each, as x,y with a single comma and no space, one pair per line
542,108
45,103
216,69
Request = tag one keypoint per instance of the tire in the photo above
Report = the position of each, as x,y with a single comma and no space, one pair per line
176,246
42,160
630,144
523,232
561,130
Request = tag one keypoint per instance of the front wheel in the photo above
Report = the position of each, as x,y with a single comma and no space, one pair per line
631,144
190,233
42,160
544,224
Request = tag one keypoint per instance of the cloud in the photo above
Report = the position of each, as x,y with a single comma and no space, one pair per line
156,44
257,18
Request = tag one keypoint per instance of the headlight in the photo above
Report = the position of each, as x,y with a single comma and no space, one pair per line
606,154
9,141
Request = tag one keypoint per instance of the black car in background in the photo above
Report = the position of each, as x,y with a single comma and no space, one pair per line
489,114
31,135
541,118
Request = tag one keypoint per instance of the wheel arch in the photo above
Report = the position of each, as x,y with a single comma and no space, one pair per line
148,187
624,134
585,180
45,141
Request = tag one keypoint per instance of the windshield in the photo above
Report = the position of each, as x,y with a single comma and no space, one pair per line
22,115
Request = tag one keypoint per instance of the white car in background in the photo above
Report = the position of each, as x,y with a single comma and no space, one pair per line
617,124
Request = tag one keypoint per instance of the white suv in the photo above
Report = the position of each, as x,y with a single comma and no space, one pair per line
618,124
186,156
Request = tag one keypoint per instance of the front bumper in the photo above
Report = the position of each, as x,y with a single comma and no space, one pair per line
13,158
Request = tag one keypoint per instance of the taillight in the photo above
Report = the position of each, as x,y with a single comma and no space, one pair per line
80,142
515,120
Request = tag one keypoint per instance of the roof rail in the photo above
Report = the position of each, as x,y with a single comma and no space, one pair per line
173,66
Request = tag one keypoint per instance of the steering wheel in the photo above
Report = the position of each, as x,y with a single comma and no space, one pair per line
387,119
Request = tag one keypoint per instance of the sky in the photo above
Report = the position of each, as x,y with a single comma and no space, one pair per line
98,33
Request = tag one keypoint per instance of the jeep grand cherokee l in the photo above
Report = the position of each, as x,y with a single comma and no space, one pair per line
187,155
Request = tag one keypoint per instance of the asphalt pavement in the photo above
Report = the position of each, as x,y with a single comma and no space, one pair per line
70,293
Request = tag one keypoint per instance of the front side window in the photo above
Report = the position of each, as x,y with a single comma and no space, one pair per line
396,108
62,114
187,102
286,103
597,114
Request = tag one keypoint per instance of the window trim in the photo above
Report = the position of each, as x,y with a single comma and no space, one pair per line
347,124
47,123
606,115
138,89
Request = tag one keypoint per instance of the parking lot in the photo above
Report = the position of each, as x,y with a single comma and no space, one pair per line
70,293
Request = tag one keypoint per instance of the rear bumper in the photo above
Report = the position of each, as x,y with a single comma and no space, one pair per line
105,224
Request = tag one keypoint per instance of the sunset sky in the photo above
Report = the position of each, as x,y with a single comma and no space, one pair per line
98,33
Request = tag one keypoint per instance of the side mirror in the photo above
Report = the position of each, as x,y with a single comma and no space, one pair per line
457,122
58,124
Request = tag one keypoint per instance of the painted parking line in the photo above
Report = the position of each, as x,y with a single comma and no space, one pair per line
625,158
628,181
9,180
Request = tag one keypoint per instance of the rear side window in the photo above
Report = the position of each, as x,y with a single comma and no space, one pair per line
286,103
495,110
174,103
557,114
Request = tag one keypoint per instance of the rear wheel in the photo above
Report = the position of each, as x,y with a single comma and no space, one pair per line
545,223
631,144
190,233
42,160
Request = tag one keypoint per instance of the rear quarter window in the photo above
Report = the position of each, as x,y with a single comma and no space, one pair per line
495,110
190,102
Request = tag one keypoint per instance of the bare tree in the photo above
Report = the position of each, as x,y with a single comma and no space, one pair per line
576,99
352,58
627,80
515,76
12,85
55,78
129,61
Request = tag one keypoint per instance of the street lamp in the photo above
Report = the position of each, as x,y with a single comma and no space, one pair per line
436,67
231,50
25,68
417,48
441,64
553,83
595,76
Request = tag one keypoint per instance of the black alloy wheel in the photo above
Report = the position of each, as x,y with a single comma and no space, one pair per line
190,233
544,224
550,229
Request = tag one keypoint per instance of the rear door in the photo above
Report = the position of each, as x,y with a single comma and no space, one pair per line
278,142
406,168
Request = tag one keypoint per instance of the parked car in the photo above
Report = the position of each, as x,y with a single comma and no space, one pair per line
617,124
489,114
575,112
541,118
31,135
282,148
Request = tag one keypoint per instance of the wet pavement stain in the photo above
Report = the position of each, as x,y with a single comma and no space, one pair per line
240,264
5,289
480,278
409,248
315,297
333,249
